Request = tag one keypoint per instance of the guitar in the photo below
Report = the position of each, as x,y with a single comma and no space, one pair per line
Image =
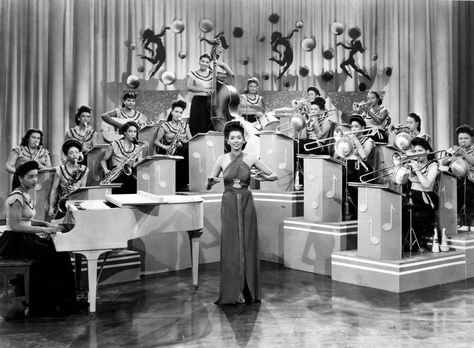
111,133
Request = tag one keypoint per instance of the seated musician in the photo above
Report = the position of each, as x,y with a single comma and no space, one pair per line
251,106
123,154
464,151
414,127
83,132
30,148
52,288
375,115
359,161
113,120
172,139
68,177
421,194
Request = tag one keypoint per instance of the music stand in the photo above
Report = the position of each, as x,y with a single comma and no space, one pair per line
348,199
299,168
411,236
463,215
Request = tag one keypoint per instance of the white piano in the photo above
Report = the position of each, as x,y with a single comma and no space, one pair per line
99,226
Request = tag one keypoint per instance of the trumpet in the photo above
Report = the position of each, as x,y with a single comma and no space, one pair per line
358,106
365,132
398,129
300,103
323,114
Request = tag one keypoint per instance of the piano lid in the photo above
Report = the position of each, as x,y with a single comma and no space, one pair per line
145,198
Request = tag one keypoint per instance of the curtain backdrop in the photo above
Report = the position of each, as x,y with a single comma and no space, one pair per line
56,55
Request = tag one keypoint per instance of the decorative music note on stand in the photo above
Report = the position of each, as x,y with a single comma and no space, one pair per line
363,207
282,165
388,225
161,183
332,193
447,205
210,143
146,177
373,238
270,149
197,156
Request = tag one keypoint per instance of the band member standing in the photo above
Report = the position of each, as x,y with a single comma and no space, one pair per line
421,196
240,263
123,154
31,148
376,116
251,106
200,90
114,120
312,92
172,139
83,132
68,177
414,127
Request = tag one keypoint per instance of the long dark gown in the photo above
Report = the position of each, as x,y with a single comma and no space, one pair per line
240,262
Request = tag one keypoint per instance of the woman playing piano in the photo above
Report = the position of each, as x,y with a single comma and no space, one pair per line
68,177
83,132
251,106
52,286
240,270
376,116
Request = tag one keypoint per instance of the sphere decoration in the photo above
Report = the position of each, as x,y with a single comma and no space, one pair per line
388,71
238,32
132,46
362,87
374,56
304,71
337,28
328,54
141,68
133,81
328,76
354,32
266,76
261,38
206,25
286,84
181,55
168,78
274,18
245,60
299,24
308,43
177,26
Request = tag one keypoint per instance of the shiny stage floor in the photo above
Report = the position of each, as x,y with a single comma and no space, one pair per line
298,310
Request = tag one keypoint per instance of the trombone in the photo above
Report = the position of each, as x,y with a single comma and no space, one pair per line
308,146
360,105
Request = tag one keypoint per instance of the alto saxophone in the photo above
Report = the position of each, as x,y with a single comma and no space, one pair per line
123,166
174,144
69,188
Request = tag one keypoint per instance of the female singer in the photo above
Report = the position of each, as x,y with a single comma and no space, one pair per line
376,116
172,139
200,89
124,151
421,197
251,106
68,177
51,277
82,132
31,148
114,120
414,127
240,270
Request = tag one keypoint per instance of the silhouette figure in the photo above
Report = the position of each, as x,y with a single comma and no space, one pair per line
285,52
219,40
354,47
159,55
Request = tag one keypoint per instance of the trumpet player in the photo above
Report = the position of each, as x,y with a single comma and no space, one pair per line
421,197
69,176
83,132
121,153
375,116
172,139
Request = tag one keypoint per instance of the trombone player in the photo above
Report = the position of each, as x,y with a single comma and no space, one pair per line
375,116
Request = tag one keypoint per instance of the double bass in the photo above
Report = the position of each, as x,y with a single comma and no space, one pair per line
225,99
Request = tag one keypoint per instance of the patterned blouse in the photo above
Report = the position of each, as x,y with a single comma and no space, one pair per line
41,155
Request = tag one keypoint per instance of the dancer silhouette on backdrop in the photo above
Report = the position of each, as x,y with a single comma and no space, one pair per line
159,55
286,51
354,47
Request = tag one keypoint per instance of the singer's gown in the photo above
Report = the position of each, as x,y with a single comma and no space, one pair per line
240,265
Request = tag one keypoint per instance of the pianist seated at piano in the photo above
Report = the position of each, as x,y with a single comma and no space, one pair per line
52,288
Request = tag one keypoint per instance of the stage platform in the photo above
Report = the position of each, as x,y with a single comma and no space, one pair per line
308,245
401,275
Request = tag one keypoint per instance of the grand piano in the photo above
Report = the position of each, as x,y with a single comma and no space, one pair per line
97,226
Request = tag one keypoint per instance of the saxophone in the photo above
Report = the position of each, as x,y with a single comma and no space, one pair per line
174,144
70,188
123,166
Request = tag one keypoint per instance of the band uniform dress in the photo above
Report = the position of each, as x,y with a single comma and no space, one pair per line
67,179
85,139
382,135
119,155
250,106
41,155
200,110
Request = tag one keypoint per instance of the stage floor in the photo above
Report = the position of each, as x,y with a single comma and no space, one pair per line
298,309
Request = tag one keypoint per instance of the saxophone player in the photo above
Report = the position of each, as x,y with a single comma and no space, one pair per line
124,153
172,139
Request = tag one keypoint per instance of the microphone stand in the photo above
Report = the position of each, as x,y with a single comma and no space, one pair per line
299,169
411,236
348,199
463,215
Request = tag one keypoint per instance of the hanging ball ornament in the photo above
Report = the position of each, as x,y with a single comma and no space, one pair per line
261,38
274,18
337,28
374,56
238,32
133,81
328,76
354,33
388,71
245,60
266,76
168,78
299,24
328,54
304,71
206,25
308,43
177,26
132,46
362,87
141,68
181,55
286,84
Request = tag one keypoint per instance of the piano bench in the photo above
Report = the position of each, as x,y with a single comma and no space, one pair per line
19,267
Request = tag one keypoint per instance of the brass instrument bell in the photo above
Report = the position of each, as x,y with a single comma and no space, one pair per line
402,141
459,167
344,147
360,105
